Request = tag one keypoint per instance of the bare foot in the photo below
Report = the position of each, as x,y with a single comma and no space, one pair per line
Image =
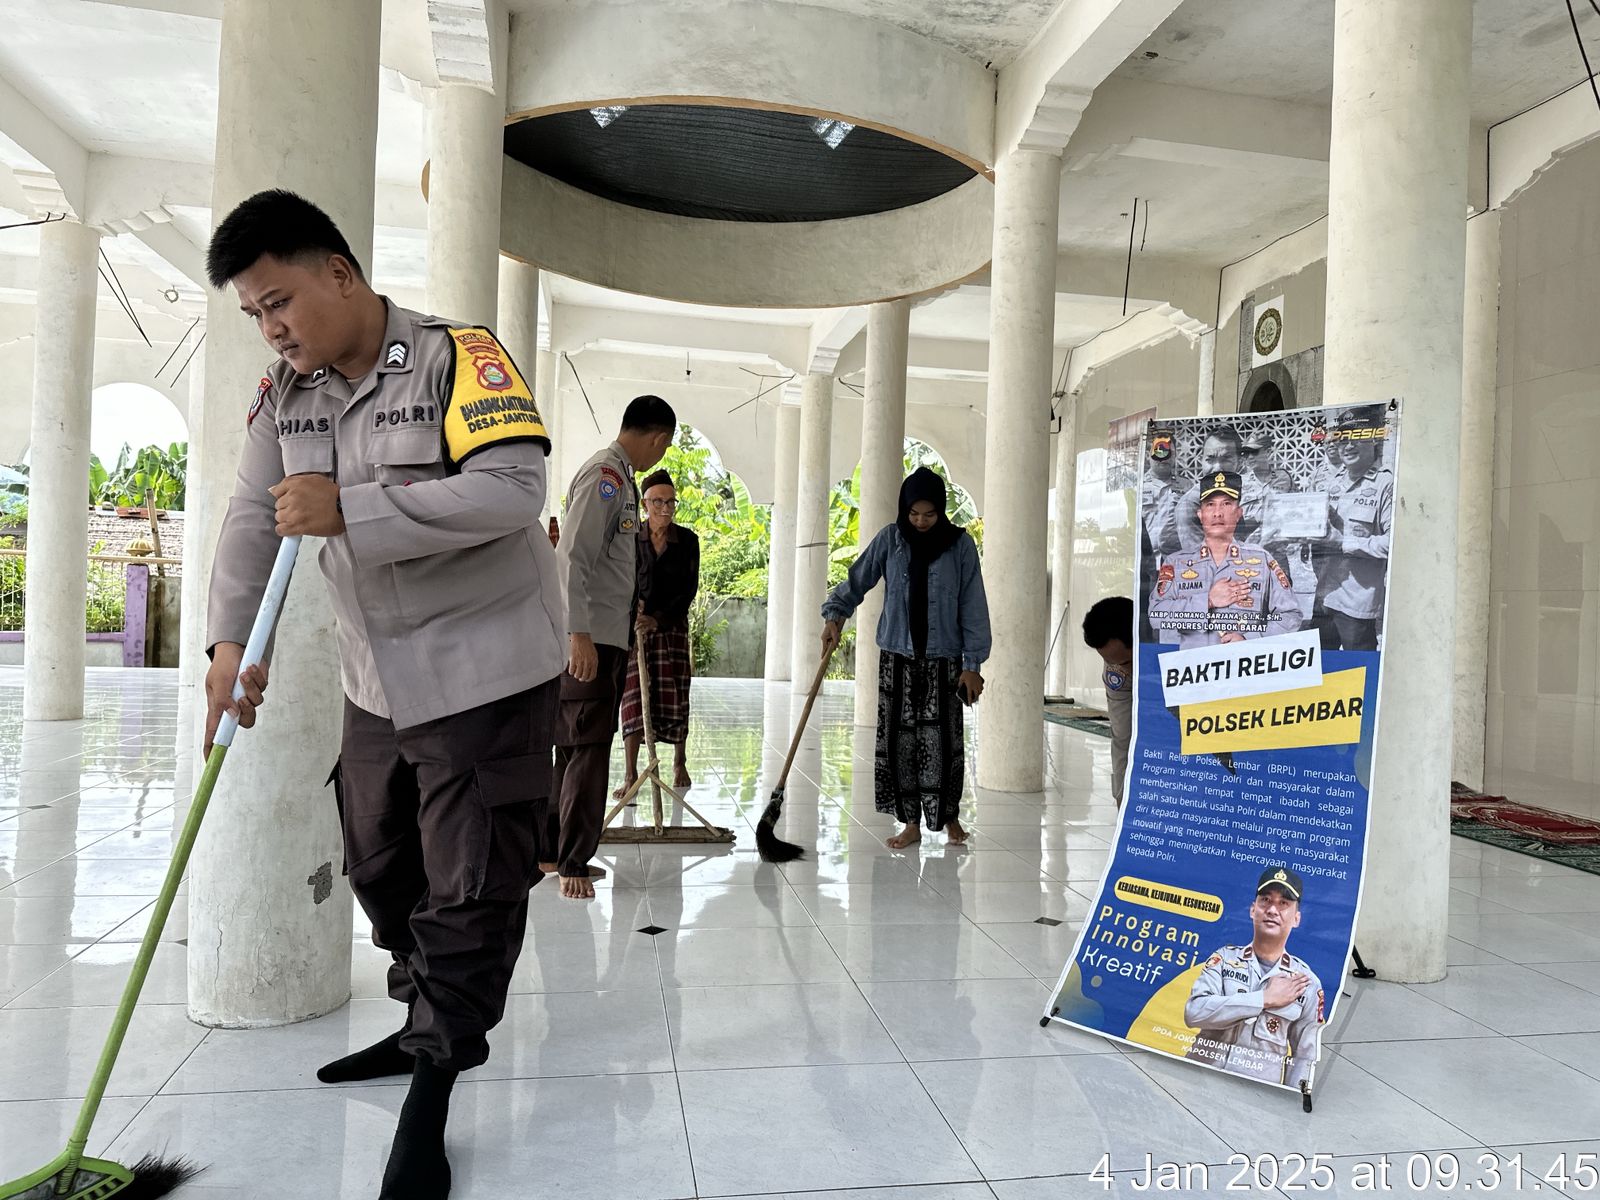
626,784
909,836
577,887
954,833
680,777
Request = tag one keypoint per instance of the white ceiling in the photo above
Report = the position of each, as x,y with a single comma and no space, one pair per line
992,31
120,80
139,78
131,81
573,291
963,315
1211,214
1523,51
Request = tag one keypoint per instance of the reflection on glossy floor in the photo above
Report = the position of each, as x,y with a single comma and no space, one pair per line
861,1020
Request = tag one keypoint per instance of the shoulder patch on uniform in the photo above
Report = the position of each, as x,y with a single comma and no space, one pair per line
610,483
489,402
262,389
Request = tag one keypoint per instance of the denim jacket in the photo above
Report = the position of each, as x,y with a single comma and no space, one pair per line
958,610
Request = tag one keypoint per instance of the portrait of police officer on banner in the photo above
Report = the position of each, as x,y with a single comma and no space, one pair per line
1258,1008
1219,589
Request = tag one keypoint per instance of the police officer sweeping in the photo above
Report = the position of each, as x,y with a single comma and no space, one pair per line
599,556
413,445
1258,1007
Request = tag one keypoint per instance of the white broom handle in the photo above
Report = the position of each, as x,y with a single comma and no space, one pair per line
261,631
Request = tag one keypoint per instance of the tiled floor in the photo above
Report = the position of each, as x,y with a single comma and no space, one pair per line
860,1025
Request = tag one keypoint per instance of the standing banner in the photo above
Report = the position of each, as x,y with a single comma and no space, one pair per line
1226,913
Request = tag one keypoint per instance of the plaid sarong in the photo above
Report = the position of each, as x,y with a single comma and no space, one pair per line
671,667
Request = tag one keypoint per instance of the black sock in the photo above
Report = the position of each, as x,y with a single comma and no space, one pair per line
418,1169
375,1062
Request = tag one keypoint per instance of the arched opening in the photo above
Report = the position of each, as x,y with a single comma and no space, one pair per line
1269,388
1267,398
727,622
735,533
139,452
960,506
135,416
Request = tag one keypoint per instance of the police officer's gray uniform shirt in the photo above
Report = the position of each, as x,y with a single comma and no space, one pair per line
599,551
1183,589
443,585
1238,1032
1352,583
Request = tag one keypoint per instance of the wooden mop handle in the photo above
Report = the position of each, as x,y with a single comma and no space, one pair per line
805,716
653,766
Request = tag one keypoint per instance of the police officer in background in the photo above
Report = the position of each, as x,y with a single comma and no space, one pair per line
1258,1007
1352,562
413,445
1222,590
1108,631
599,563
1262,478
1159,494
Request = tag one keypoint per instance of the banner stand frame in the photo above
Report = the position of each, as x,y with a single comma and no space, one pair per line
1360,971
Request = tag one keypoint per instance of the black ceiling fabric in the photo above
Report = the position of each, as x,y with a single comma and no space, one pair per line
732,164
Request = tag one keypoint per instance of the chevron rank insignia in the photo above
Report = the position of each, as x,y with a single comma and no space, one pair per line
396,355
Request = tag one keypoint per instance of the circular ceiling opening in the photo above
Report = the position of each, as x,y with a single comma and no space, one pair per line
732,164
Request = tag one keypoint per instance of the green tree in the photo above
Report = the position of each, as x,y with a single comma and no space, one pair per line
136,475
735,533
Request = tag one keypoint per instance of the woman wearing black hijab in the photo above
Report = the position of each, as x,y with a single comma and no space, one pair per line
933,639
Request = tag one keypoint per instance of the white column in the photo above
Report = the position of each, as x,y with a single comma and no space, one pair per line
1206,385
192,661
517,326
554,411
883,456
815,480
1480,343
466,150
58,482
267,945
1015,465
517,319
780,560
1063,621
1396,248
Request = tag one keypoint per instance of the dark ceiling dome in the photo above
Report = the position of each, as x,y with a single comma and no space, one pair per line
733,164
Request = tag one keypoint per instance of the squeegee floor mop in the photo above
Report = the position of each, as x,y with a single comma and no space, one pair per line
657,831
73,1175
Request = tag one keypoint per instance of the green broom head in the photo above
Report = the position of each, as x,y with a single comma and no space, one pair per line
72,1177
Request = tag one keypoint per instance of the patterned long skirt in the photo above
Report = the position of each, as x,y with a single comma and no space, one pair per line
921,755
671,667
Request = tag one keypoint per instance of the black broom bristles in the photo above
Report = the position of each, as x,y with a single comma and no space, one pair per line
155,1176
769,845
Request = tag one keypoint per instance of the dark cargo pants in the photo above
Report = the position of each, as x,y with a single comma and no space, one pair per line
442,824
585,729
